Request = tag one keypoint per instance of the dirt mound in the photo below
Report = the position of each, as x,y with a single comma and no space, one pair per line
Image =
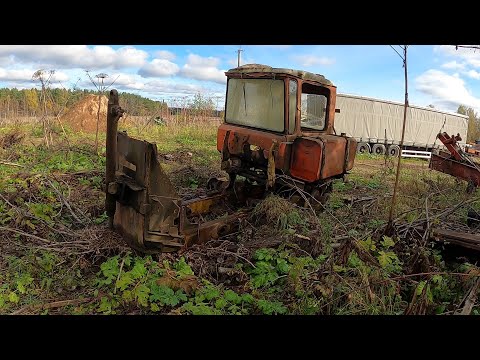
83,115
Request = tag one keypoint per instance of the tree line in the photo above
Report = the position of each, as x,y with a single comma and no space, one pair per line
16,103
473,132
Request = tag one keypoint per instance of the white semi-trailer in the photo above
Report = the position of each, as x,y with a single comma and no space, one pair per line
377,125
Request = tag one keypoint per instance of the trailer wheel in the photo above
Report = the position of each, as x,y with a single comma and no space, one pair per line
363,148
394,150
378,149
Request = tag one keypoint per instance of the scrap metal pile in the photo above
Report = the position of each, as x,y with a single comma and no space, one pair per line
449,226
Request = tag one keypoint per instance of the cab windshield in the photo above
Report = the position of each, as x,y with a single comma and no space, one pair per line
258,103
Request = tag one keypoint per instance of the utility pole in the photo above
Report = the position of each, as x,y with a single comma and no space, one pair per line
404,58
239,55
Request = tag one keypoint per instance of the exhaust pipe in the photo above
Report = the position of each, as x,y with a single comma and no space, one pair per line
114,113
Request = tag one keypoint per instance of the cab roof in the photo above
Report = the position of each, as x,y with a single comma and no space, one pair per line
260,68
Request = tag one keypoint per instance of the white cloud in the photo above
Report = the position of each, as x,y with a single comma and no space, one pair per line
6,61
159,86
311,60
454,65
447,91
159,68
201,68
129,56
165,54
233,62
470,56
127,81
76,56
473,74
16,75
25,75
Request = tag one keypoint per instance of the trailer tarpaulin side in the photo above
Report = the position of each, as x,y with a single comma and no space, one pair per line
368,120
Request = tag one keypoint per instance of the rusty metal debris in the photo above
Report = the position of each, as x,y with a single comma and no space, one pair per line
455,163
142,203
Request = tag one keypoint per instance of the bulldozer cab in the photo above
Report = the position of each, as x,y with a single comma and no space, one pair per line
282,120
282,101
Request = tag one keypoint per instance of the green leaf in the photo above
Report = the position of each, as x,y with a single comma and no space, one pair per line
154,307
263,254
387,242
46,283
248,298
259,280
110,269
166,296
199,309
429,295
220,303
211,292
282,266
127,296
234,309
23,282
181,296
338,268
368,244
232,296
386,258
271,307
440,309
353,260
183,268
141,294
30,224
127,260
138,270
105,306
124,281
13,297
420,287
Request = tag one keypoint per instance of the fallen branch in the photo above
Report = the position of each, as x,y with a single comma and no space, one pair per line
64,201
470,299
232,253
52,305
10,164
4,228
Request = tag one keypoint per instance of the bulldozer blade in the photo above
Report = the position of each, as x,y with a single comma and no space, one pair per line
148,207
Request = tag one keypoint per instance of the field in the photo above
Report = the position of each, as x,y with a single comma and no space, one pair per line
57,255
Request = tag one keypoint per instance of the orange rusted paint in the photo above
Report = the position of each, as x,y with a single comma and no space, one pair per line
456,163
351,151
243,136
334,156
306,159
459,169
451,143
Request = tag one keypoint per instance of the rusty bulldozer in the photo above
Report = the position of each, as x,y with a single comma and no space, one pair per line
278,134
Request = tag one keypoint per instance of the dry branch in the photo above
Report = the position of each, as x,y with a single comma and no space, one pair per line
10,164
470,299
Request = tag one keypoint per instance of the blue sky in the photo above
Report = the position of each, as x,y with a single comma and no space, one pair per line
439,75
